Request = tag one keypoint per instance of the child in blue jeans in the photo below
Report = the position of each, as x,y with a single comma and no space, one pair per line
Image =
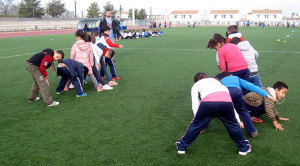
72,70
235,85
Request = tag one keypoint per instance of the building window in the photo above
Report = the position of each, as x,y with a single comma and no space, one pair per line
231,16
223,16
275,16
190,16
215,16
175,16
257,16
266,16
183,16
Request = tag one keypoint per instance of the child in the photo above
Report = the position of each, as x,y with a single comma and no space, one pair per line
83,53
37,66
233,31
211,99
250,55
234,85
72,70
230,57
105,40
258,105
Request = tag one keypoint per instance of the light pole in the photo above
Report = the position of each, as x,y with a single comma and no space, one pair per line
75,8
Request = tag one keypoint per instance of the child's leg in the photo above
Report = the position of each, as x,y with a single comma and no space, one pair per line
255,80
34,91
240,106
201,119
78,86
256,111
97,76
226,115
104,70
61,84
111,65
39,83
95,82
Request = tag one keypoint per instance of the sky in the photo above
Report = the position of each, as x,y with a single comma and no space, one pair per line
166,6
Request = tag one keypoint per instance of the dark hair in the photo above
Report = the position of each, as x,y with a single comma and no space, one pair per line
233,29
81,34
280,85
94,34
222,75
199,76
61,53
89,38
111,52
217,38
105,28
235,40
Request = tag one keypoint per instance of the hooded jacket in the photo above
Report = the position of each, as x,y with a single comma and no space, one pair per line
83,53
250,55
43,60
75,68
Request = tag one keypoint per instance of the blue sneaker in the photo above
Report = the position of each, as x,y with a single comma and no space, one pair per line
83,94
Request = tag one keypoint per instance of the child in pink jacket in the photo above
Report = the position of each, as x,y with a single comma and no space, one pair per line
83,53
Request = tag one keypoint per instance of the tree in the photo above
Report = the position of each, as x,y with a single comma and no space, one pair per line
30,8
109,6
55,8
135,13
142,14
93,11
7,7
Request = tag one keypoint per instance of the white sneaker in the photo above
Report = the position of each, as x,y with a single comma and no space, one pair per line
54,103
36,99
181,152
245,153
71,86
107,87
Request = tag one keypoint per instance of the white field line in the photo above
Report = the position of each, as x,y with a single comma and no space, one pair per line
166,49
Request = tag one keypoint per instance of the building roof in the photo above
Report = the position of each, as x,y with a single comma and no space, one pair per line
123,12
224,11
266,11
184,11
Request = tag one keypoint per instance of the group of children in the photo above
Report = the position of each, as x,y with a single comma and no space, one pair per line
89,54
135,34
235,96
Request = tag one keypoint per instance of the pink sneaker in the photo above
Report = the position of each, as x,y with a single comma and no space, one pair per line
99,88
66,88
111,83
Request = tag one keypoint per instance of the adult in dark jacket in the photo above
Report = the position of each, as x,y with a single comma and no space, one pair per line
110,22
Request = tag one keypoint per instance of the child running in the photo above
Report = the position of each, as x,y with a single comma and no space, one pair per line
37,66
211,99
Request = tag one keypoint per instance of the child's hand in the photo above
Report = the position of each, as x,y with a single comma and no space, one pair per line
241,125
283,119
278,126
99,65
47,81
120,46
272,98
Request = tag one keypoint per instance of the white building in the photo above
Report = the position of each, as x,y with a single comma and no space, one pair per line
124,15
224,17
185,16
268,16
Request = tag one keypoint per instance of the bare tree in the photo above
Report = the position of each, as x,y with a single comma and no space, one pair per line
7,7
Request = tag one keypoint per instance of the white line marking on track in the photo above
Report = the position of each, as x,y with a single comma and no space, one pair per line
32,53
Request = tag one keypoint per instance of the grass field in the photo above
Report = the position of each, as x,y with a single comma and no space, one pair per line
139,121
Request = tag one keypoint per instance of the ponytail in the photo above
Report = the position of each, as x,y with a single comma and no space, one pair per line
94,34
81,34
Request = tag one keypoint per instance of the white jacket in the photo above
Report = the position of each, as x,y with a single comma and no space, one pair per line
250,55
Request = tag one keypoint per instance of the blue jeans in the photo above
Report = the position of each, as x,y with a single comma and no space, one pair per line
240,106
206,111
65,76
111,65
103,70
243,74
255,80
256,111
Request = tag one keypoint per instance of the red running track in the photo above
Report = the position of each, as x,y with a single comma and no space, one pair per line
35,33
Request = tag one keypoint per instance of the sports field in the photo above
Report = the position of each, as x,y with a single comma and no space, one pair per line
139,121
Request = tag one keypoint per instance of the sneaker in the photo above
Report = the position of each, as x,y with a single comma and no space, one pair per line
58,93
203,131
71,86
36,99
54,103
66,88
107,87
112,83
179,151
81,95
85,82
245,153
254,134
99,88
115,78
114,60
256,120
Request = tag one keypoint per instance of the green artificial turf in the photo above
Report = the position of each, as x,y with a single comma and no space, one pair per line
139,121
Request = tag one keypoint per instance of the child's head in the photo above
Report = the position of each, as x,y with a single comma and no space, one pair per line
94,34
105,30
109,53
235,40
89,38
223,75
216,42
199,76
280,89
58,55
81,35
232,29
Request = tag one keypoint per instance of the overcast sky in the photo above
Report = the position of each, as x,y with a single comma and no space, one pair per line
166,6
